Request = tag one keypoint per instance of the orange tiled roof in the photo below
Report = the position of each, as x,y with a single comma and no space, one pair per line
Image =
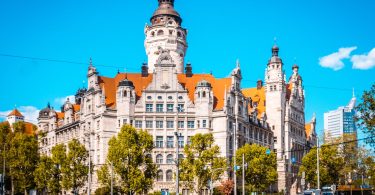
218,86
140,83
257,95
110,86
15,112
76,107
30,128
308,129
60,115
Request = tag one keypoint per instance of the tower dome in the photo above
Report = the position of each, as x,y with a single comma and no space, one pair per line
204,83
166,8
126,83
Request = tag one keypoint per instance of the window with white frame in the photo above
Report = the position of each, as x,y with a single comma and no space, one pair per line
138,124
159,124
181,142
169,107
204,123
190,124
181,124
170,124
170,159
159,107
149,123
149,108
159,142
170,142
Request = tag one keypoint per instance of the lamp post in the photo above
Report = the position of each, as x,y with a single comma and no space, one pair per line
177,134
89,174
234,159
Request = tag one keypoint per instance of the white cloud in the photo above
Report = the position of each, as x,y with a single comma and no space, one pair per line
61,100
364,61
334,60
30,113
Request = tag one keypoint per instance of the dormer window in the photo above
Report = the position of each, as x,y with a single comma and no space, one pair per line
125,93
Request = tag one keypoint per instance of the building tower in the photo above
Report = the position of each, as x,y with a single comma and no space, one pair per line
125,102
165,33
275,100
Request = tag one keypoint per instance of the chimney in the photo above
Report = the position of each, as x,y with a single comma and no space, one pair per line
259,84
144,69
188,70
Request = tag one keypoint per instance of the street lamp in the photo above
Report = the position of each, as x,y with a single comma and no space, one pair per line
178,135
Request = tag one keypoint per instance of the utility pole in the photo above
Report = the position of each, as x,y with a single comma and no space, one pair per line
243,174
234,159
177,152
317,162
4,170
111,178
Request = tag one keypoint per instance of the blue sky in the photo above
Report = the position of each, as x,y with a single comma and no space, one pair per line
219,32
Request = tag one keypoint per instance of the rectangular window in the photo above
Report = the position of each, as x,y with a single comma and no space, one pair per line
124,121
119,124
159,142
188,140
138,124
190,124
170,142
149,108
159,107
180,107
170,124
159,124
181,124
169,107
204,123
181,141
149,124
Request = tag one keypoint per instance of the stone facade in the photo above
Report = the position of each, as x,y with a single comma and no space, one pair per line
164,99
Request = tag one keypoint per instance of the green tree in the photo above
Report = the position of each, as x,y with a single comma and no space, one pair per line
330,164
5,133
75,169
22,159
202,163
261,170
128,151
58,160
42,173
366,114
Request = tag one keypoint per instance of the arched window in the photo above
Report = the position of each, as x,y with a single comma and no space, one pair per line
159,175
169,175
152,34
160,32
170,159
125,93
204,94
159,159
179,34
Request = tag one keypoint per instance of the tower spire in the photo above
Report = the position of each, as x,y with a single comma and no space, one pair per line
353,93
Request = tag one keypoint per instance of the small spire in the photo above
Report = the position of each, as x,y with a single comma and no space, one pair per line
118,71
238,63
48,105
126,74
353,93
274,41
90,62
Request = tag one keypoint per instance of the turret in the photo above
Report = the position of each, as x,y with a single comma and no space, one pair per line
203,102
68,112
165,32
125,102
92,77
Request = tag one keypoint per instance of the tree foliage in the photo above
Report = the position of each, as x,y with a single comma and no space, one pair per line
330,164
366,114
133,167
75,169
260,171
202,163
22,157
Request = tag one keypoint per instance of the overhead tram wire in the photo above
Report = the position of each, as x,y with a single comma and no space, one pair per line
58,61
134,69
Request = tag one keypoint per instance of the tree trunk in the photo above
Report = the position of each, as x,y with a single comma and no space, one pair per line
12,184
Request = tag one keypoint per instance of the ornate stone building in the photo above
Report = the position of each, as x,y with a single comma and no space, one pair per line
167,97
